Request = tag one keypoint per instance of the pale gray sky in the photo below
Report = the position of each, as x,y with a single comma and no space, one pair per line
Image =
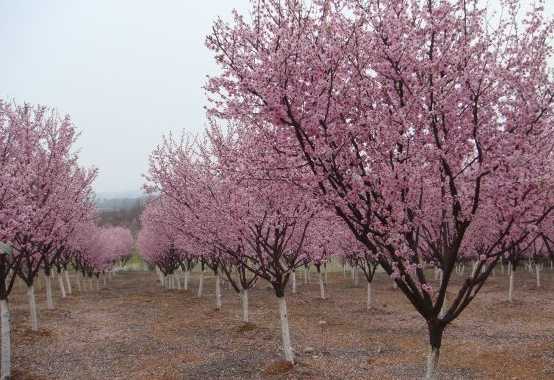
127,71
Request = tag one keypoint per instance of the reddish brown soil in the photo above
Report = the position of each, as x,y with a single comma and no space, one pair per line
133,329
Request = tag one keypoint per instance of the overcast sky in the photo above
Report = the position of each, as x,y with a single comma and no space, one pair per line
127,71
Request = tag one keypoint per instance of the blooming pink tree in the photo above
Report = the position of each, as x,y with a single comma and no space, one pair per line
44,194
95,250
320,247
358,257
237,218
118,243
418,120
61,198
156,242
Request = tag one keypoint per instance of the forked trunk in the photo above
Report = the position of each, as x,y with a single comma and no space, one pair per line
32,307
444,308
285,332
6,362
49,300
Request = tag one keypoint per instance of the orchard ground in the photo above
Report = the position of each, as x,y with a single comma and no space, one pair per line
134,329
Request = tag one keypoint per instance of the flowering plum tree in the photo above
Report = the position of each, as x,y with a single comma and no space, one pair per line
156,242
234,215
44,195
419,122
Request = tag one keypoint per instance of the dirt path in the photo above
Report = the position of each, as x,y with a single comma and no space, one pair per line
133,329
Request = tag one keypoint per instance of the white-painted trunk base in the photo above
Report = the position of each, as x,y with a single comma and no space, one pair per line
321,286
201,285
62,286
244,304
68,282
32,307
432,365
217,292
49,299
285,332
6,361
511,286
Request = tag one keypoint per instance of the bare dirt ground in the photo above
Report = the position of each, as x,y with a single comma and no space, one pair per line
133,329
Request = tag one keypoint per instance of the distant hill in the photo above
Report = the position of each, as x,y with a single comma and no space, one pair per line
123,212
120,208
105,204
131,194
